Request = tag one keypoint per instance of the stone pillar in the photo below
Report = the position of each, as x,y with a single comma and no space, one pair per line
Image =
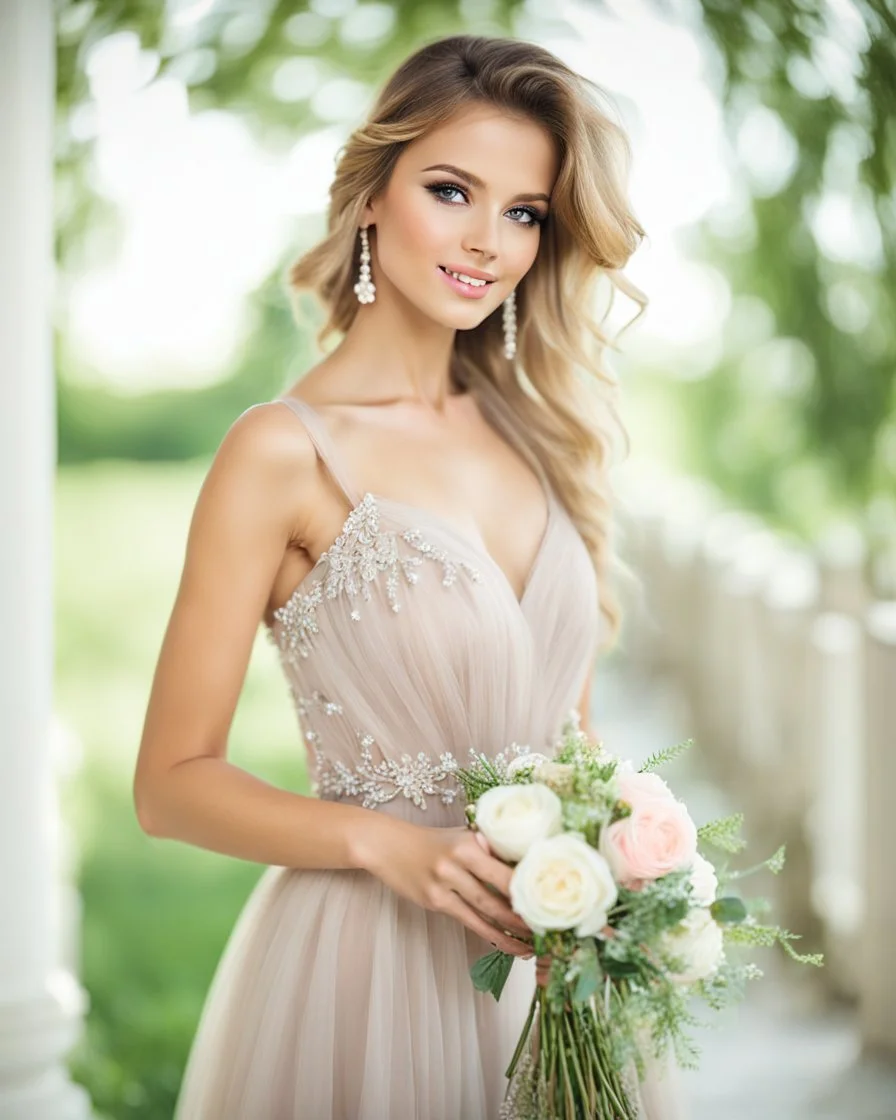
717,667
789,607
41,1003
877,1002
834,758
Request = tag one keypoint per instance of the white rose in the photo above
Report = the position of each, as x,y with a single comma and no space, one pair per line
512,818
524,762
563,883
697,942
703,881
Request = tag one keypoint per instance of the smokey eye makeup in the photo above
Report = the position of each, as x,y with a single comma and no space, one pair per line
436,189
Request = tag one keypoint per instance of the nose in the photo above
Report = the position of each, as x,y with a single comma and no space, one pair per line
482,235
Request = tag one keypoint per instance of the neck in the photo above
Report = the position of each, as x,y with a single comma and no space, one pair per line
409,355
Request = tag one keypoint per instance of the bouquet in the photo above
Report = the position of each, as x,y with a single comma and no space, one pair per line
634,919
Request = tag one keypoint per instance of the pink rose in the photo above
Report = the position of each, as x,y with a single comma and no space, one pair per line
635,787
657,838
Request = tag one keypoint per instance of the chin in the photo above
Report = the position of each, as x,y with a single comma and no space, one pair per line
464,318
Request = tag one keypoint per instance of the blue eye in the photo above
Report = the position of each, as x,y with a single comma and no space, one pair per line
435,188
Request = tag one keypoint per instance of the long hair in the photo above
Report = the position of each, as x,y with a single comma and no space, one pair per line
557,392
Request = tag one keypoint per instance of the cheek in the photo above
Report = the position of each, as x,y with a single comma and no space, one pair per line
413,235
520,248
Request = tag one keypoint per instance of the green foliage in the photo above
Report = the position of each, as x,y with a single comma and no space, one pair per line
797,418
640,916
727,985
584,971
728,910
723,833
751,933
774,864
490,972
665,756
481,775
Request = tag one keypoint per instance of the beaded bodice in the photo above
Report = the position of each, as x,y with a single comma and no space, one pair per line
405,647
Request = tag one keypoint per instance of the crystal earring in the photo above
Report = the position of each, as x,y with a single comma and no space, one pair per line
365,289
509,306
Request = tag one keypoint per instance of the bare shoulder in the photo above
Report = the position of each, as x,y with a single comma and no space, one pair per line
268,452
269,437
255,502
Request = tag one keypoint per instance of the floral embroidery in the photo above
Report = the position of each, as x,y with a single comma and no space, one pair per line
375,782
298,617
353,561
317,701
378,782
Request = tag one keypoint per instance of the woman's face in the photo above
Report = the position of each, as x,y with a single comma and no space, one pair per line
469,196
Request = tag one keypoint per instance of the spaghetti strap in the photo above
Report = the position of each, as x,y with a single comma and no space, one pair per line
323,444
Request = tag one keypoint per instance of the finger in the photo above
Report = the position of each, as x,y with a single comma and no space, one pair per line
465,914
490,905
488,869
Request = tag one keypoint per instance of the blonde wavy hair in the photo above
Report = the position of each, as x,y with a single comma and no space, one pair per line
557,394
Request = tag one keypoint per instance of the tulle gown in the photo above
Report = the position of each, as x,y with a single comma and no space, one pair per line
404,646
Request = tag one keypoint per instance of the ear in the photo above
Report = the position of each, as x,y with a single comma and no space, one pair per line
367,216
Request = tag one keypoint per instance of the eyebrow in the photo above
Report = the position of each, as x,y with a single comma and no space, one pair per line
475,181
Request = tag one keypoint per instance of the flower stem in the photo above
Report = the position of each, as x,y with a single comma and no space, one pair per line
514,1061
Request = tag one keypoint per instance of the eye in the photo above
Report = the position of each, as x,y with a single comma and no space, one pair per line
537,219
436,189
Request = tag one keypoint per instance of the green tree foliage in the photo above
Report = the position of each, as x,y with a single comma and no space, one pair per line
798,418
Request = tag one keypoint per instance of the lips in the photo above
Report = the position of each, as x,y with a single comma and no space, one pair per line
468,291
472,276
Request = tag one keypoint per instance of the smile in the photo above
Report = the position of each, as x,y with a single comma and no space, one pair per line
466,285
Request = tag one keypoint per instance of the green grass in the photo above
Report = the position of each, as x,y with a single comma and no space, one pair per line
156,914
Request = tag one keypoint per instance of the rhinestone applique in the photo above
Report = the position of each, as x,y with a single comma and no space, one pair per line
352,561
378,782
375,782
317,702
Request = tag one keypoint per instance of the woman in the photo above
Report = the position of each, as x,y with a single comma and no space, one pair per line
423,529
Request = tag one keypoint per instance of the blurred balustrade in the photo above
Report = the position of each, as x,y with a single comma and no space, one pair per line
788,664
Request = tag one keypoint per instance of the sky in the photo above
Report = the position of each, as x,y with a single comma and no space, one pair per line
206,213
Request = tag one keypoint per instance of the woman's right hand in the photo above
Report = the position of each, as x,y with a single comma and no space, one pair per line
449,870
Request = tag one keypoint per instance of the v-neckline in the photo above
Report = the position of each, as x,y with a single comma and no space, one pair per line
479,545
380,500
329,453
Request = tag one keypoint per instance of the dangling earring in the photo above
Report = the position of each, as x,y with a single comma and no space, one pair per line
509,306
365,289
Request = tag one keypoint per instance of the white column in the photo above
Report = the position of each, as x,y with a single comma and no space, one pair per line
877,1002
40,1001
715,701
834,761
842,555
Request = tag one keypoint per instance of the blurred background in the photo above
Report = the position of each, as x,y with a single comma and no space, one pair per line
181,163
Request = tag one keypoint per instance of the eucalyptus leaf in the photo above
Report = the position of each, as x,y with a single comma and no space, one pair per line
730,910
490,972
588,980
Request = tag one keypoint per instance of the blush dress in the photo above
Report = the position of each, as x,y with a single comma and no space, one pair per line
403,647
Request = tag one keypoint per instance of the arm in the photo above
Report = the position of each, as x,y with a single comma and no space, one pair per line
254,499
260,494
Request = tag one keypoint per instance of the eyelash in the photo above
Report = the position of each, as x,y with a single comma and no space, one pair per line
537,219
